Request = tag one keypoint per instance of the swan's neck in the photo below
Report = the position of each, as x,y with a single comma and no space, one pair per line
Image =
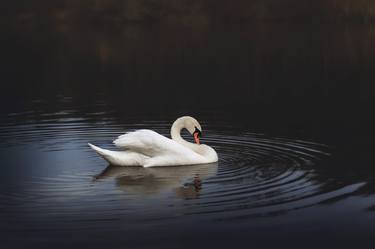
176,136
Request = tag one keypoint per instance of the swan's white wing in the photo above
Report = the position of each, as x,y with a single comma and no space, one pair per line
152,144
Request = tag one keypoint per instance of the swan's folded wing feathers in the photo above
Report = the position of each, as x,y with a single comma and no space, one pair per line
146,142
133,139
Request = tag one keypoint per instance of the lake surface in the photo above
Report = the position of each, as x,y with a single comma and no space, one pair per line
288,108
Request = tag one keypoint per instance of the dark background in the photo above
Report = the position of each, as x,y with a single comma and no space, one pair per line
300,69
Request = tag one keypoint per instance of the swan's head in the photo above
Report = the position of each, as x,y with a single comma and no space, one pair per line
191,124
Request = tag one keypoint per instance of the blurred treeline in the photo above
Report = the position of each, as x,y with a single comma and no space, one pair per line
190,12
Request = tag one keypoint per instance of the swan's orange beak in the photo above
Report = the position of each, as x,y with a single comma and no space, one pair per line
196,137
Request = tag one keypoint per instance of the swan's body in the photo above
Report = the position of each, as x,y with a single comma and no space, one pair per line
147,148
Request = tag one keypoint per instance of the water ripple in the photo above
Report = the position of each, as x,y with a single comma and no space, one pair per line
256,175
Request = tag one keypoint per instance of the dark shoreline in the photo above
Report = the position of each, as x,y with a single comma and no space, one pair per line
190,13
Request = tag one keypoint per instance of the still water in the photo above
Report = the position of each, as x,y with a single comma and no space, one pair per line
287,106
265,190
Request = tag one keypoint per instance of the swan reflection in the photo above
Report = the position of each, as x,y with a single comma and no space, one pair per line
184,181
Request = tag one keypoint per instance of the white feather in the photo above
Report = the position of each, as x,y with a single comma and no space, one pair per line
148,148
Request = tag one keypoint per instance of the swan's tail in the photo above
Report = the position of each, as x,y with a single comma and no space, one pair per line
120,158
109,156
98,150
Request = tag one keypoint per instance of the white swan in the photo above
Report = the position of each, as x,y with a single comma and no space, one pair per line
147,148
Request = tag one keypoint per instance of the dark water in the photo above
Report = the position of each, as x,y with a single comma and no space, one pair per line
287,106
57,192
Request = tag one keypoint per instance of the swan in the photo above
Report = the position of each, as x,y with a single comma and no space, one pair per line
148,148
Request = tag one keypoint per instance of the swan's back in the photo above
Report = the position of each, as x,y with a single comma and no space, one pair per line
152,144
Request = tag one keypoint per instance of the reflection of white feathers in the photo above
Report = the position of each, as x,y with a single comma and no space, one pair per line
139,180
148,148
